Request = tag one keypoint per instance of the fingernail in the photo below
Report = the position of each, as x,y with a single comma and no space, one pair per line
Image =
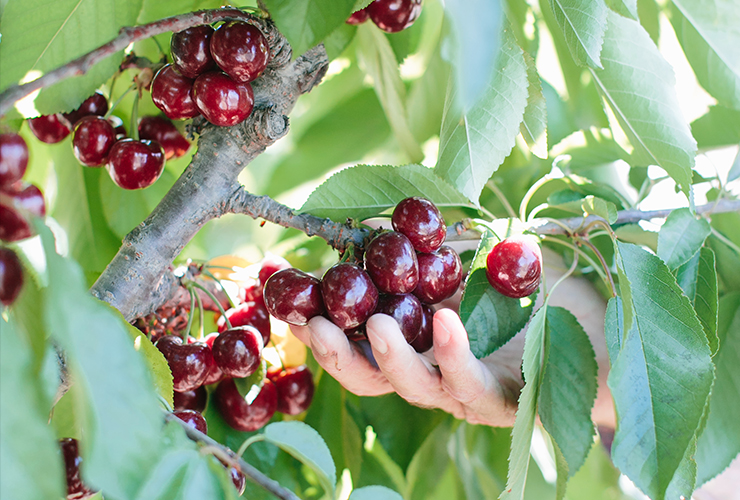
379,345
317,345
442,335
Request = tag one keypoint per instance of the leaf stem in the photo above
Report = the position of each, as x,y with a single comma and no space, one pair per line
501,197
607,271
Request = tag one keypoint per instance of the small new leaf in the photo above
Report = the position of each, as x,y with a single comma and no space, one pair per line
681,237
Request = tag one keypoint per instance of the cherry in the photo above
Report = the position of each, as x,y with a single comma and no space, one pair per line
356,333
13,159
514,265
239,480
194,399
76,489
390,260
14,202
440,274
50,128
270,265
249,313
406,310
172,93
193,419
358,17
13,227
163,131
294,389
11,276
135,164
191,50
241,415
425,341
223,101
293,296
421,222
215,374
349,295
96,105
118,127
238,351
241,50
252,292
93,139
393,16
189,363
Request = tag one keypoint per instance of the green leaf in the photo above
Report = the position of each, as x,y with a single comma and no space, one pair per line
568,387
720,126
734,172
339,39
429,463
707,30
681,237
42,35
561,467
425,104
306,445
306,23
476,28
365,191
665,348
474,144
639,86
596,206
583,23
374,493
614,327
698,280
477,453
249,386
153,10
375,55
32,468
159,370
534,125
598,478
491,319
626,8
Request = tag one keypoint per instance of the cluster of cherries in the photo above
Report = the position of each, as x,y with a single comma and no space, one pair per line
405,272
391,16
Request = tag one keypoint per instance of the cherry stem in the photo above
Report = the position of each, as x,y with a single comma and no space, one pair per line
249,442
575,249
502,198
218,304
565,276
118,101
191,314
608,272
220,285
134,127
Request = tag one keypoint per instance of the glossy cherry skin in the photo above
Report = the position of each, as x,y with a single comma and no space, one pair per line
238,351
189,363
293,296
223,101
95,105
18,201
248,314
215,374
270,265
239,480
440,275
162,130
191,400
358,17
172,93
390,260
94,137
424,341
191,50
393,16
240,50
295,389
406,310
514,265
421,222
193,419
13,227
11,276
13,159
50,128
241,415
349,295
135,164
76,489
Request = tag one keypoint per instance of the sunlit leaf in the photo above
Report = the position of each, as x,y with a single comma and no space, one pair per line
583,23
534,126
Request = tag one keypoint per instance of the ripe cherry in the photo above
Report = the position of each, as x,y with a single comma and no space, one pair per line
135,164
358,17
191,50
194,399
241,415
406,310
248,314
17,201
11,276
193,419
76,489
514,265
238,351
293,296
425,340
172,93
239,480
390,260
241,50
162,130
440,275
50,128
222,100
270,265
422,223
13,159
294,387
189,363
215,374
96,105
349,295
394,15
93,139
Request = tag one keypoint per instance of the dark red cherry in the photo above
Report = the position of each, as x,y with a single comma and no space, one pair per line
193,419
191,50
50,128
172,93
13,159
514,265
358,17
390,260
135,164
215,374
11,276
356,333
223,101
189,363
76,489
241,415
406,310
349,295
163,131
241,50
424,341
239,480
194,399
248,314
238,351
16,203
96,105
294,389
270,265
13,227
293,296
440,275
421,222
93,139
251,292
393,16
